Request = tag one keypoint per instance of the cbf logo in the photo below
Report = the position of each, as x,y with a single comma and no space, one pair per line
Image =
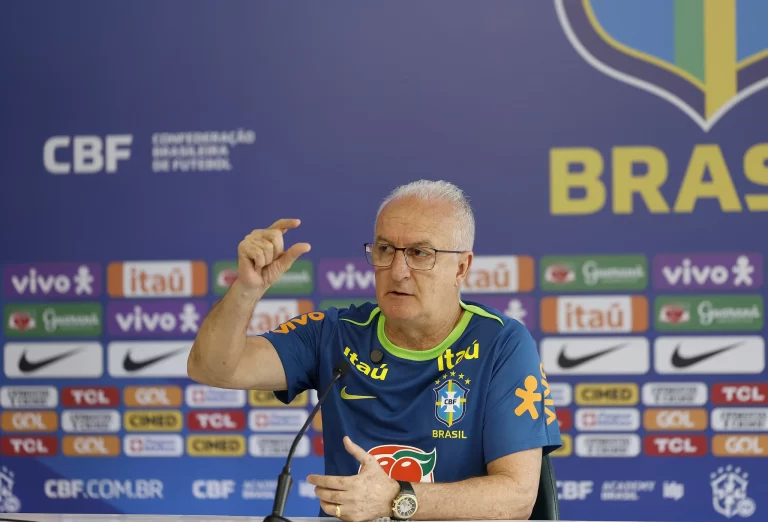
9,503
692,54
729,492
450,401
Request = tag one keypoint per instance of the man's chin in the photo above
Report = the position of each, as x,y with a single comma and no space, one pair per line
398,306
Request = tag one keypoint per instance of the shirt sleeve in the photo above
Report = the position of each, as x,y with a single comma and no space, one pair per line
520,412
297,343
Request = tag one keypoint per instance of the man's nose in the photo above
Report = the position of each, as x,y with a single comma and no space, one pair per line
400,269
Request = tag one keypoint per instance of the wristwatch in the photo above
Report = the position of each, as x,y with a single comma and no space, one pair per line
404,505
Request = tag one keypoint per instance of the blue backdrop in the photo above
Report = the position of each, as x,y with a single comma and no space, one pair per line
629,133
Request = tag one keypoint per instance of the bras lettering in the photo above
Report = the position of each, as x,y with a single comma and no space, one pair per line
448,360
301,320
379,373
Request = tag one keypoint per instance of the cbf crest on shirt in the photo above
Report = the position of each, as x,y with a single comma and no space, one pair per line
437,415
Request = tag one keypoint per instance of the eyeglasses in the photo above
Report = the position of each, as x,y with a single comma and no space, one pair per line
417,258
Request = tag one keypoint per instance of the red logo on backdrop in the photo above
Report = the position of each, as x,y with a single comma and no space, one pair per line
674,445
318,448
20,321
29,446
740,393
233,420
564,419
90,397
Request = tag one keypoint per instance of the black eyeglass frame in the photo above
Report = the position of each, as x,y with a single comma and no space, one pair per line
405,255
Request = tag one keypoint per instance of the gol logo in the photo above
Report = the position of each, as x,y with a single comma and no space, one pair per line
153,420
152,396
566,449
91,446
267,398
607,394
740,446
29,421
675,420
216,446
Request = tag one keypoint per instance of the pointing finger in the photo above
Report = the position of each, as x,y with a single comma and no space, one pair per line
285,224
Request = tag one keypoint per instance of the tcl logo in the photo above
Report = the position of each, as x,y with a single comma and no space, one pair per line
89,154
29,421
318,447
90,397
216,420
29,446
564,419
740,445
213,489
694,445
753,393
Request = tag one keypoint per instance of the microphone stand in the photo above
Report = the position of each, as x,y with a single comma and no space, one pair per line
285,481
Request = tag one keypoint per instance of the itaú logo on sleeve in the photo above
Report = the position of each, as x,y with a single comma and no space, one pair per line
680,446
216,420
159,420
216,445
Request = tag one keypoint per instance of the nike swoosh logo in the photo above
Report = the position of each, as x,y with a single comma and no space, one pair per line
25,366
129,365
347,396
566,362
678,361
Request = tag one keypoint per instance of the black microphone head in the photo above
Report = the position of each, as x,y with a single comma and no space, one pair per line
342,368
377,356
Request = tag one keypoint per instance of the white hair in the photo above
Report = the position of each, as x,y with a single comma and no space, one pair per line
429,191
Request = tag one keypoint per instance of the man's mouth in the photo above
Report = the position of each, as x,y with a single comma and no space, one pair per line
402,294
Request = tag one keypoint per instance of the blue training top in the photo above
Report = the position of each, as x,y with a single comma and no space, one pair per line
428,416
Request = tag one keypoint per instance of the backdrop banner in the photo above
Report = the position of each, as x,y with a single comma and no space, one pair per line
615,154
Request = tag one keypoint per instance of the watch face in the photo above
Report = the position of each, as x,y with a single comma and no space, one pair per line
406,506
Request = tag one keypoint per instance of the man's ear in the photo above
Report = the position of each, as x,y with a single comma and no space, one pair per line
465,262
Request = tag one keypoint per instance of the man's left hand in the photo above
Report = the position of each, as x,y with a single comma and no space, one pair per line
362,497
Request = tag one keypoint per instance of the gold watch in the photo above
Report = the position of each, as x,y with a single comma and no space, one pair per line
405,504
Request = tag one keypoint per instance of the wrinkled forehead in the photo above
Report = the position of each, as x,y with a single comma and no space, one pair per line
412,222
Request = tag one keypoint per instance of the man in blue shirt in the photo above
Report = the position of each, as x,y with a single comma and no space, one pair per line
446,409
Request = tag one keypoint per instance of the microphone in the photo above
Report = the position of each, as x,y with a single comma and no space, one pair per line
284,482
